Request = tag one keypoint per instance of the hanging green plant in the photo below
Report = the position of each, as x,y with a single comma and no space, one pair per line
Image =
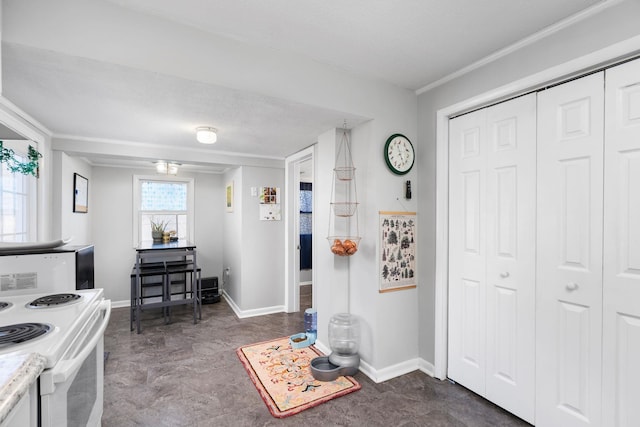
14,165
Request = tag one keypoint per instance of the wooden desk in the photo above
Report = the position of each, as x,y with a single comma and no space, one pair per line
161,260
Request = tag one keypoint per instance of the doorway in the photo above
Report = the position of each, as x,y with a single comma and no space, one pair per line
305,233
299,168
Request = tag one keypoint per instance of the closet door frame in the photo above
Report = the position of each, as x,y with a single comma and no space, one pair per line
566,71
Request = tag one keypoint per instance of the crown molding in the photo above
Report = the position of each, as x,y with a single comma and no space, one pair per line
559,26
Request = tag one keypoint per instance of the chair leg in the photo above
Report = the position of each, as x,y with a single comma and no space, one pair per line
132,307
200,296
194,295
138,314
167,298
138,304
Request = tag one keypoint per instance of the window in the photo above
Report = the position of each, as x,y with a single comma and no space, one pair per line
166,200
18,201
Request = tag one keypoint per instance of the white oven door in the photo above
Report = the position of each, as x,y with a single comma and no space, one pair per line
71,393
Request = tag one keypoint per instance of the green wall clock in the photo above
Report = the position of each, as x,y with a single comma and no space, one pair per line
399,154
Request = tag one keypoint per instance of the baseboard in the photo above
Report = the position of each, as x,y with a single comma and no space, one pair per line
322,347
120,304
426,367
242,314
385,374
306,283
390,372
368,370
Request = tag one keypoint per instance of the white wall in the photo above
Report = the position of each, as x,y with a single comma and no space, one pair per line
232,232
112,226
67,223
209,207
390,317
350,284
112,230
254,249
614,24
262,243
331,287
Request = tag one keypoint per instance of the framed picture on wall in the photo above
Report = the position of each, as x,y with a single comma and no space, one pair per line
80,193
397,267
229,195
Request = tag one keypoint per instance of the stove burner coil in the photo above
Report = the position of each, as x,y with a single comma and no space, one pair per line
21,332
53,300
4,305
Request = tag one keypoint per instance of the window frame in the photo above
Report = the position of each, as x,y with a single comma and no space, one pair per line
137,181
30,187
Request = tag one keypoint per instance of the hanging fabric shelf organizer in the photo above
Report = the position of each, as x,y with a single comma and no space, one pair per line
344,235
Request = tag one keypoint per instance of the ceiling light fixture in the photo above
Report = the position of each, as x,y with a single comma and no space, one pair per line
206,135
167,168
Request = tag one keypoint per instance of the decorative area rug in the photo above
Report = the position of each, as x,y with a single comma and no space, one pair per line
283,377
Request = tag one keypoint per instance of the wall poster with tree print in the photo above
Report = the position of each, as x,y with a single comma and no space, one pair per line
397,256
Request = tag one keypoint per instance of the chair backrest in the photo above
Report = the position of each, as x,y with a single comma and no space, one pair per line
186,259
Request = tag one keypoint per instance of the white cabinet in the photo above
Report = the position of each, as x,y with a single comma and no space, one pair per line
25,412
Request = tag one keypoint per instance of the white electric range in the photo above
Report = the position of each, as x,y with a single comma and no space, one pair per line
67,329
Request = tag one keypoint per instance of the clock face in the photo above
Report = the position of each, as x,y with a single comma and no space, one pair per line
398,153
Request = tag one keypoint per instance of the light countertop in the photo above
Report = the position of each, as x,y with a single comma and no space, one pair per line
17,373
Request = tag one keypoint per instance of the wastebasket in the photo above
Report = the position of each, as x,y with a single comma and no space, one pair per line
210,290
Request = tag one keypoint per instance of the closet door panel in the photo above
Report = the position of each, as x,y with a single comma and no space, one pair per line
467,257
492,253
621,339
569,253
575,216
510,242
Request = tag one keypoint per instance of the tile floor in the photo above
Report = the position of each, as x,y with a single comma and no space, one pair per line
183,374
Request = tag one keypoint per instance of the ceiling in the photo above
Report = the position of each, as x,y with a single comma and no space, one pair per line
409,44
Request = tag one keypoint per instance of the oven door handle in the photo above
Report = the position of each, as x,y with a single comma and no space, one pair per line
65,368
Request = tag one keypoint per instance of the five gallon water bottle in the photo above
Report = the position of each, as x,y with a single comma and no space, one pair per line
310,324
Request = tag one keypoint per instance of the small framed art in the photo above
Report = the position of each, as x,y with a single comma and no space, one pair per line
397,256
229,194
80,193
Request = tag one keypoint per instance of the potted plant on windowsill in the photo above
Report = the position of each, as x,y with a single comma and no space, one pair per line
157,229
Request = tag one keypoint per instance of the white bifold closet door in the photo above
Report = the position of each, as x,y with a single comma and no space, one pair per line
569,253
621,337
492,253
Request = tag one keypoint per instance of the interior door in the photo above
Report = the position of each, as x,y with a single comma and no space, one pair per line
467,252
492,253
621,338
510,243
569,253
